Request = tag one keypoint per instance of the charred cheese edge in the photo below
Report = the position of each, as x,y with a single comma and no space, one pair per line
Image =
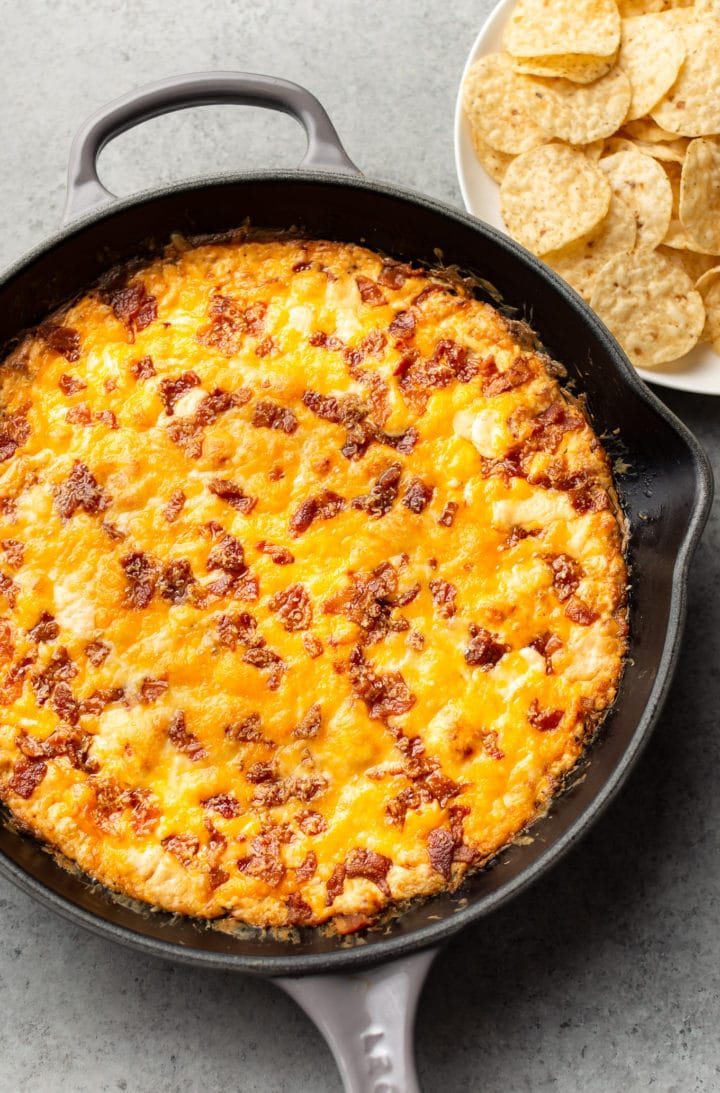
311,579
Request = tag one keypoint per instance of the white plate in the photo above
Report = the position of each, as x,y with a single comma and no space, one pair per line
698,370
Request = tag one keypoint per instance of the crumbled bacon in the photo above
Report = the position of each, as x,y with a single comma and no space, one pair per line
335,884
182,847
384,694
313,645
279,555
131,304
338,409
248,730
174,506
293,607
232,495
549,427
311,823
419,376
490,744
497,383
142,369
172,390
325,341
13,682
415,640
578,611
97,652
395,274
225,804
64,704
59,669
188,436
372,866
417,496
79,415
310,724
447,516
240,629
219,402
300,913
261,772
369,602
230,323
176,580
80,490
99,699
324,506
517,534
546,644
265,658
264,861
543,720
410,798
184,740
62,339
383,493
14,431
484,651
26,776
70,385
113,531
441,849
14,552
589,499
567,574
271,415
228,555
141,572
106,417
403,326
444,595
370,292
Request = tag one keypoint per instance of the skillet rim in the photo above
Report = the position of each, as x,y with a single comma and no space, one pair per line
438,932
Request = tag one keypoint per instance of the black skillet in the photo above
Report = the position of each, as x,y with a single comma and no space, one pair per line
362,992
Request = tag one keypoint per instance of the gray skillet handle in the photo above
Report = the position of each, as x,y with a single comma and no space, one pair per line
324,150
367,1019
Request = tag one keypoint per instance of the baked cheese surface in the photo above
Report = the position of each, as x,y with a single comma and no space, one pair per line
311,582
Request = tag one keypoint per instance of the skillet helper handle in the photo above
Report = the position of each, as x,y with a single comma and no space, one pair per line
85,190
367,1019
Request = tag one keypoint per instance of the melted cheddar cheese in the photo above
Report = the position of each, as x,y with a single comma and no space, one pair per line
311,577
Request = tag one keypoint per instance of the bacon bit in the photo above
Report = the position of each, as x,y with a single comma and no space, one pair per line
188,436
413,797
578,611
113,531
589,499
271,415
228,555
299,912
447,516
59,669
404,598
383,493
80,490
313,646
325,341
270,795
7,644
232,495
143,368
174,506
111,800
547,644
395,274
70,385
265,658
369,602
418,377
8,507
484,651
79,415
415,640
141,573
311,823
264,860
13,683
335,884
310,724
225,804
132,305
497,383
307,787
403,326
184,740
72,743
567,574
384,694
99,699
443,596
426,293
229,324
441,787
279,555
543,720
172,390
244,587
338,409
275,474
182,847
97,652
324,506
234,630
371,866
247,730
176,580
490,744
64,704
14,552
26,776
370,292
14,431
293,607
64,340
517,534
9,589
549,427
219,402
107,417
374,343
441,848
307,867
417,496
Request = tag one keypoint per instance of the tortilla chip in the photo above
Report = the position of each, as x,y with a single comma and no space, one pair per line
650,306
539,29
691,108
629,8
579,263
552,195
644,186
491,99
699,204
578,67
578,113
495,163
709,288
695,265
651,53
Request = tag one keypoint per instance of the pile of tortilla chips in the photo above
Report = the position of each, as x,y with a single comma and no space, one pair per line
601,123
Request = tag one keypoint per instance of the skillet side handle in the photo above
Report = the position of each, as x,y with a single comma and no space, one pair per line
85,190
368,1019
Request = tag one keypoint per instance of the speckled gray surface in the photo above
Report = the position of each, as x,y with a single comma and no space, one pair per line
606,975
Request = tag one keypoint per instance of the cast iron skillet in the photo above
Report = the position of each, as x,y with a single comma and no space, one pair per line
362,992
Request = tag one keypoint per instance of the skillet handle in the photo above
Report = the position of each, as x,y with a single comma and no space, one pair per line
367,1019
85,190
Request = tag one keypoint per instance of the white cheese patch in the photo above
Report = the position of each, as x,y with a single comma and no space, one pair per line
542,508
487,429
73,611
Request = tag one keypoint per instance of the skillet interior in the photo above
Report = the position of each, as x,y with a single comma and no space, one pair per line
665,491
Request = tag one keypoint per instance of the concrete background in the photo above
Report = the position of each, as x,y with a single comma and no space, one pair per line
602,977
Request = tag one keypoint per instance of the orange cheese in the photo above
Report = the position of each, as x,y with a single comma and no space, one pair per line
311,577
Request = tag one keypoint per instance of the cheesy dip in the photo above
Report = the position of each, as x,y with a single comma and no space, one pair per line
311,581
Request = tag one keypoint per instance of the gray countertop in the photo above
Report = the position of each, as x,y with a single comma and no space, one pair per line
605,975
